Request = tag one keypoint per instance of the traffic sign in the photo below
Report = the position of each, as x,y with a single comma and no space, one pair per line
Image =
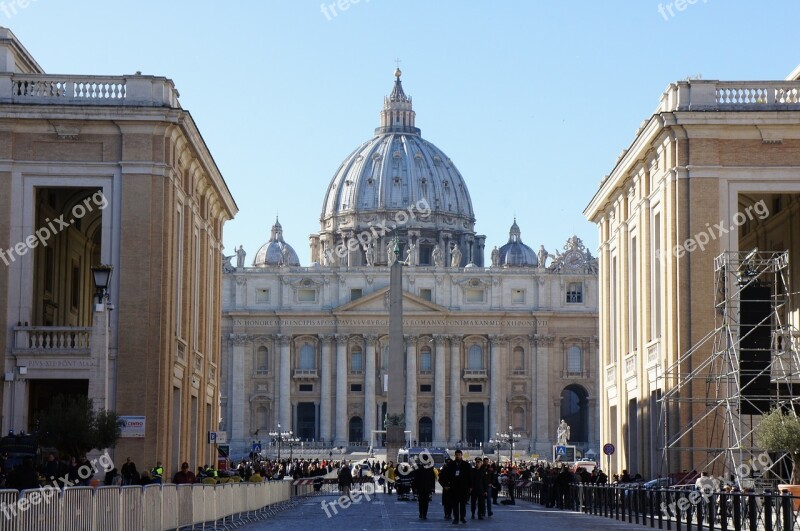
561,450
608,449
257,448
212,437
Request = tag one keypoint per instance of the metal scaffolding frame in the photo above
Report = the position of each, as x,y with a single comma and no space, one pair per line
721,420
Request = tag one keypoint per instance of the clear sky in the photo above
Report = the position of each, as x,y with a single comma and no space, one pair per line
532,100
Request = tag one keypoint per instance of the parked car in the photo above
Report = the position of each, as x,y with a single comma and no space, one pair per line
586,465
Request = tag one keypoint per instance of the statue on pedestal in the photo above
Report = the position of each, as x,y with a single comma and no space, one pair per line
369,252
438,259
455,257
240,254
495,257
562,433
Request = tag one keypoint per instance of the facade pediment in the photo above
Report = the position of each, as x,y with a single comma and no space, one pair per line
378,302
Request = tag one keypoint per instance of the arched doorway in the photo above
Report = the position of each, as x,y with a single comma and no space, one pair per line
356,430
575,411
425,431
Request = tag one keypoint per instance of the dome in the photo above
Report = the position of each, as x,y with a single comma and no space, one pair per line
394,170
515,253
276,252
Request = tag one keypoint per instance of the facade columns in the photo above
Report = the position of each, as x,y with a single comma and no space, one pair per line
543,352
455,390
411,386
439,433
341,390
236,401
496,382
369,388
285,411
534,412
325,390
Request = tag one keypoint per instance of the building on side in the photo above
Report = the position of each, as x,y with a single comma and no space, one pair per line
109,170
511,342
715,169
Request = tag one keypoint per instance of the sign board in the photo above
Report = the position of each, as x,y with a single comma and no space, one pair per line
222,437
132,427
564,453
212,437
608,449
257,447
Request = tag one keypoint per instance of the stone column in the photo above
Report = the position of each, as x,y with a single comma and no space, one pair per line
285,411
325,390
237,369
496,381
455,390
439,415
341,390
547,433
412,423
369,388
534,412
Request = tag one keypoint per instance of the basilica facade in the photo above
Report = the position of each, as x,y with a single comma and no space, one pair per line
510,344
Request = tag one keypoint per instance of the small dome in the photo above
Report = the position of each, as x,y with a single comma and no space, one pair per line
276,252
515,253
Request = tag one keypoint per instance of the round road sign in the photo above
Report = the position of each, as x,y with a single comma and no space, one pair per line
608,449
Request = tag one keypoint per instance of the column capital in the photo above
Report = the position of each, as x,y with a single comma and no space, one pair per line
341,339
412,340
325,338
441,339
497,339
240,339
545,341
371,339
283,339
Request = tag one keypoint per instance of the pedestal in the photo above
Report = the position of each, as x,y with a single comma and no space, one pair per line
395,439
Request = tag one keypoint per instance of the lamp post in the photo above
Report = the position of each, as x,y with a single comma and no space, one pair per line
509,438
279,437
291,442
99,342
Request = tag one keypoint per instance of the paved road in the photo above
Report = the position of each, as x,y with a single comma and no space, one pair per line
383,512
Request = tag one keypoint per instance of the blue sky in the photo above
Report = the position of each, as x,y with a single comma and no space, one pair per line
533,101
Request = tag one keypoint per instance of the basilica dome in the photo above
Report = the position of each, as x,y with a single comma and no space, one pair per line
276,252
515,253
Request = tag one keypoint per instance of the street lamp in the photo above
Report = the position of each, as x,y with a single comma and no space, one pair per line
101,274
279,437
99,342
506,438
291,442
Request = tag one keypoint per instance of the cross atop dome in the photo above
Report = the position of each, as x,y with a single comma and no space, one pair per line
397,115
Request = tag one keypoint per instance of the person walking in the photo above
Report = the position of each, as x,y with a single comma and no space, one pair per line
458,481
345,479
424,483
478,489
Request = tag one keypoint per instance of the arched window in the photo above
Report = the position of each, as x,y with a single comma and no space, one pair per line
385,358
425,430
574,360
518,419
518,359
575,411
307,357
475,361
425,360
262,360
356,360
356,434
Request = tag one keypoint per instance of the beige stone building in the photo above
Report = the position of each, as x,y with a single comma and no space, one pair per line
508,343
715,169
109,170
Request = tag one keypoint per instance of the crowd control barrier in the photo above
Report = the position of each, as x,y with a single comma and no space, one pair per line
152,507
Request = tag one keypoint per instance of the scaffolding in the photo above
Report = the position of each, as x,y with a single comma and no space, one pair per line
712,402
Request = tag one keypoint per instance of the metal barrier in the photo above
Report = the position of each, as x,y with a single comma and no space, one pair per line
169,506
80,514
107,508
132,512
152,508
8,506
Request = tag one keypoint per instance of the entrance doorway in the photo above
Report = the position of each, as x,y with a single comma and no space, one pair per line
475,423
307,421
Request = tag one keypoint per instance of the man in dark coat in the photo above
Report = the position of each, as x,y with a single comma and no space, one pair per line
447,500
458,482
345,478
424,483
479,486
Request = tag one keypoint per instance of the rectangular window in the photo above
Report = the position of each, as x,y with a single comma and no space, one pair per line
306,295
518,296
574,292
425,388
356,362
475,388
355,293
474,295
262,296
425,255
426,293
355,388
425,362
306,388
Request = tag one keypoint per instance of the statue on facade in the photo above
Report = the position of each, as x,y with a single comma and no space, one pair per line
455,256
562,433
390,257
411,258
542,256
438,259
495,257
369,253
227,266
240,254
284,255
327,257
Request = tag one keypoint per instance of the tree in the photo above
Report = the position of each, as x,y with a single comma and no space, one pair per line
72,425
779,432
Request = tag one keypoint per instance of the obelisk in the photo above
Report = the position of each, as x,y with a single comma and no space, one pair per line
396,391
